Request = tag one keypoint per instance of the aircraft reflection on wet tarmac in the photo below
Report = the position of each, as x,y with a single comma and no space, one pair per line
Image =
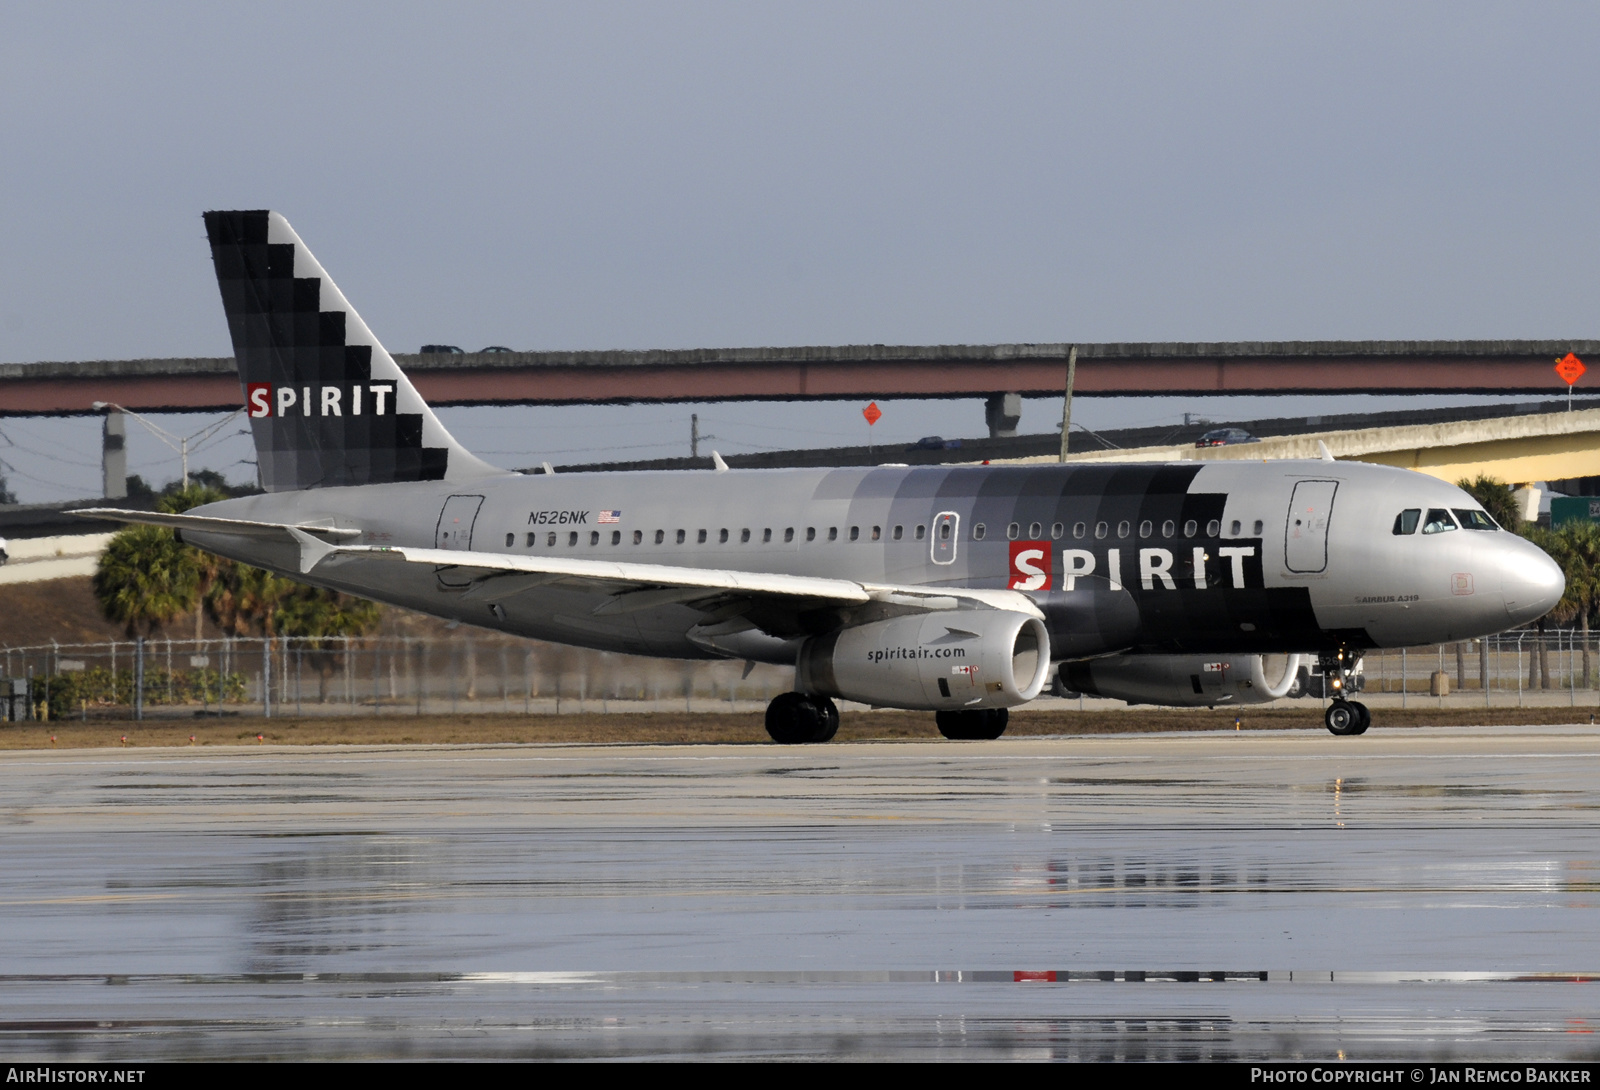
1426,893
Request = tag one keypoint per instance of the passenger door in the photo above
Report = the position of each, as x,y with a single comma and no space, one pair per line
1305,545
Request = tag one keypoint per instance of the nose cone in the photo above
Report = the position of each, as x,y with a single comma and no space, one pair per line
1532,583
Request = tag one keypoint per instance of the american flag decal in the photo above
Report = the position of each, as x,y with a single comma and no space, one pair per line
610,516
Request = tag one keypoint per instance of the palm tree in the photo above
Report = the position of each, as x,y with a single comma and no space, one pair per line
207,566
145,579
1576,547
323,619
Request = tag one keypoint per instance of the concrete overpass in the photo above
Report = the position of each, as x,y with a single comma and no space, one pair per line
1515,449
997,372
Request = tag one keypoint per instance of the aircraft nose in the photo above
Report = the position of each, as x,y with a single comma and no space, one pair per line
1532,583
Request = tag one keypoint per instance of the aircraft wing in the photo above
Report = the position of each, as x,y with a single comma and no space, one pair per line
639,586
630,586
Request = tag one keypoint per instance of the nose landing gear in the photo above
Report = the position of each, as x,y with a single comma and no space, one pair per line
1343,716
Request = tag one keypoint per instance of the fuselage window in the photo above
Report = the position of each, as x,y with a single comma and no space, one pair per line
1169,528
944,531
1056,530
877,532
1078,530
744,536
1191,528
551,540
1124,529
616,537
1214,528
1234,528
638,537
594,537
1259,526
1099,530
661,537
833,533
511,539
1438,521
533,539
922,532
1146,528
700,539
1474,520
681,536
855,533
899,532
1406,521
978,530
788,534
811,533
722,536
1012,530
1035,531
572,539
766,536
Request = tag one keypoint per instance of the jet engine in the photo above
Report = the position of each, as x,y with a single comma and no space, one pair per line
1184,681
947,661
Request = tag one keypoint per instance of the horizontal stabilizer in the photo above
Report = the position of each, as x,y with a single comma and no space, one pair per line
308,539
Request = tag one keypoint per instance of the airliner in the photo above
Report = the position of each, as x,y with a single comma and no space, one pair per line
964,590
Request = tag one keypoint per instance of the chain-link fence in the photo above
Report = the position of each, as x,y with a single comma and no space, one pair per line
414,676
362,676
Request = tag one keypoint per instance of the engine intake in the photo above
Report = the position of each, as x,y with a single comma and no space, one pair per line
950,660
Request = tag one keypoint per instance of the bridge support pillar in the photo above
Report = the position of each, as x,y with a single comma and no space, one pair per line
114,455
1002,412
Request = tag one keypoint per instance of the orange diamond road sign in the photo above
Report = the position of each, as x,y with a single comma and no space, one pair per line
1570,368
875,414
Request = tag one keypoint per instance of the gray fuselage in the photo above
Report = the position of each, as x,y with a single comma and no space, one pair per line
1188,557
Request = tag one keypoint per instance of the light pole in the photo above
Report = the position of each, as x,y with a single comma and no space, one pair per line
177,443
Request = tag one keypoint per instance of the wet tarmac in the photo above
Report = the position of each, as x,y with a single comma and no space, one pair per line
1410,894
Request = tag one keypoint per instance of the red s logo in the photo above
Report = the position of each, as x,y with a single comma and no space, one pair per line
258,399
1030,565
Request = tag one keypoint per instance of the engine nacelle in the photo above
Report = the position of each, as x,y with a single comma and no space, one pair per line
1183,681
950,660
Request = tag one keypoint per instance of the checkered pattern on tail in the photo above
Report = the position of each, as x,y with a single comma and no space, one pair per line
327,404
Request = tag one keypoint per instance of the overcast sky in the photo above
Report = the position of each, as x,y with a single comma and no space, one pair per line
678,175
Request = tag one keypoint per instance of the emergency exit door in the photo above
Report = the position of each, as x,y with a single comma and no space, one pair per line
1305,546
946,532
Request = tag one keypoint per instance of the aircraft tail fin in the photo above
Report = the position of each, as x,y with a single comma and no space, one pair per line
327,404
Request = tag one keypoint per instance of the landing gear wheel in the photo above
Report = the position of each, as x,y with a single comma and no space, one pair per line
830,719
971,726
795,719
1342,718
1365,716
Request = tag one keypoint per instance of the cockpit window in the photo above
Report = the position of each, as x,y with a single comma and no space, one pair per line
1406,521
1438,521
1474,520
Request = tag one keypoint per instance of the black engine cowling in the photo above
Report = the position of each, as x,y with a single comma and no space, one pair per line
1183,681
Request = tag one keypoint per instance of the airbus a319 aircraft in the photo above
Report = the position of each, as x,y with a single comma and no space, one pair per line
961,590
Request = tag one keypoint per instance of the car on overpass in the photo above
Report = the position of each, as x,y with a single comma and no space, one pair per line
1222,437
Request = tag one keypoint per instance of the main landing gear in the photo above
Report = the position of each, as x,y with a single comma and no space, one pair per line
973,725
797,719
1343,717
